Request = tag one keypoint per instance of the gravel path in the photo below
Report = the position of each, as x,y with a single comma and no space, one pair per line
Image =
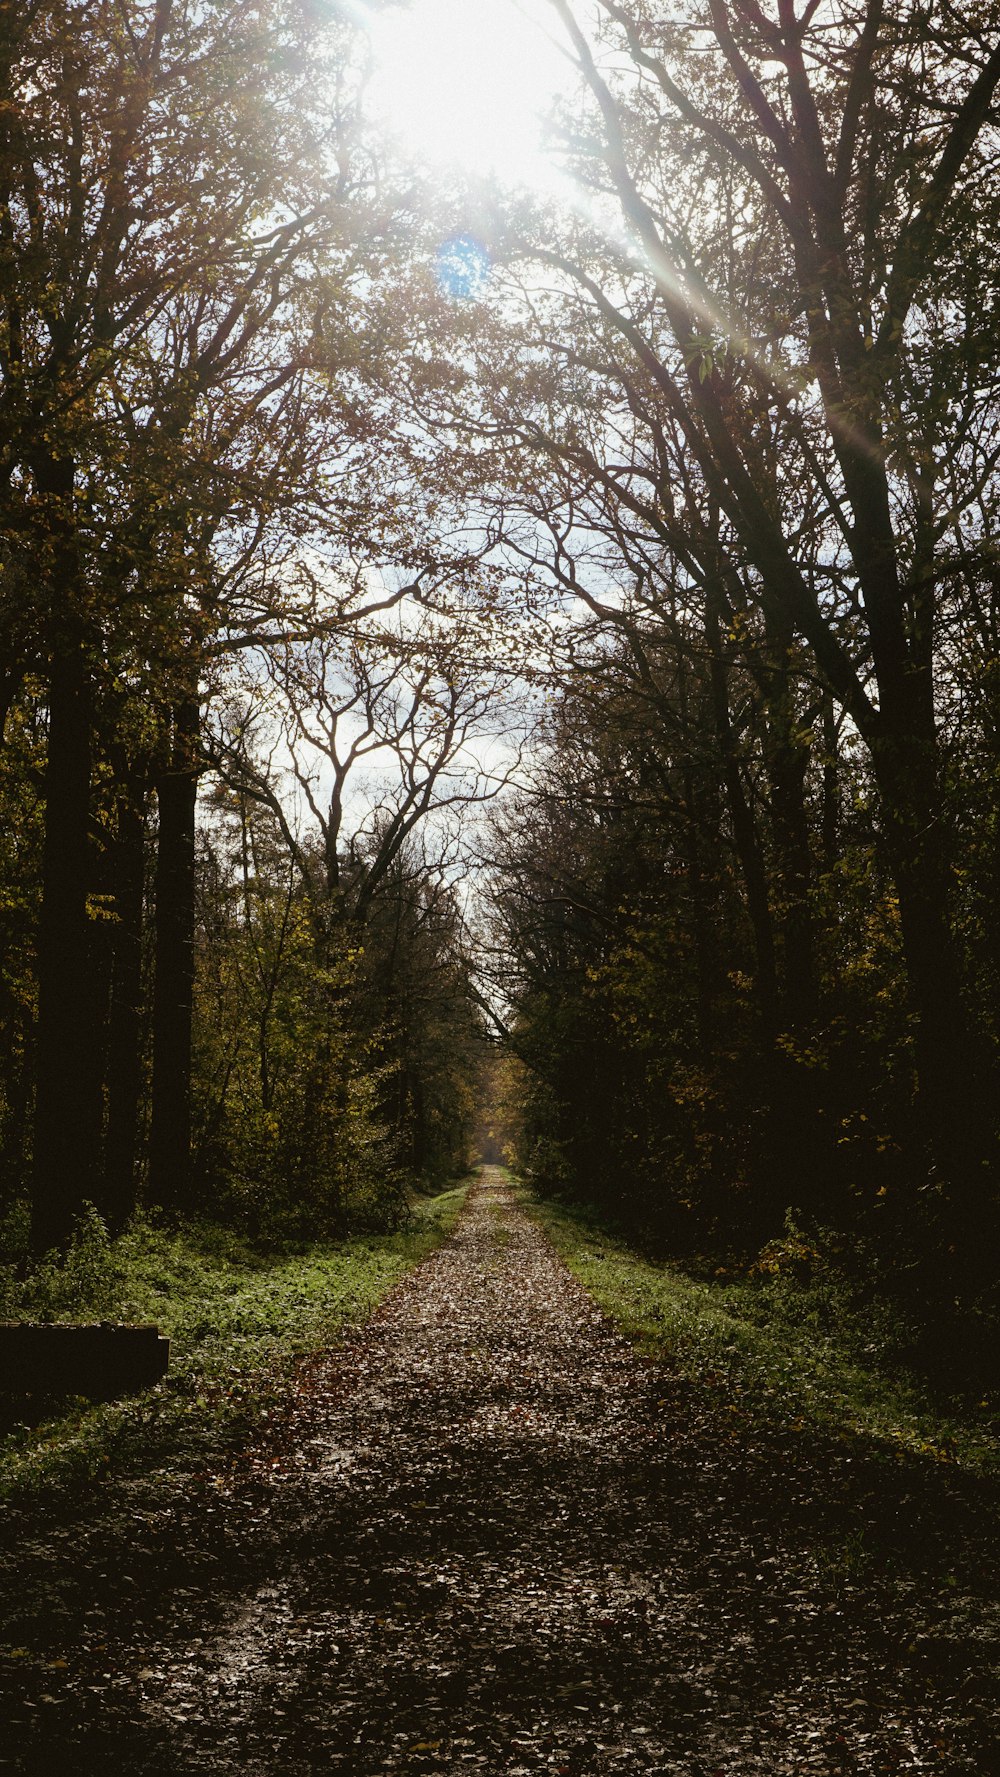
474,1555
488,1546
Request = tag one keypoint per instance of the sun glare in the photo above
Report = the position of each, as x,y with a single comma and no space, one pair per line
466,84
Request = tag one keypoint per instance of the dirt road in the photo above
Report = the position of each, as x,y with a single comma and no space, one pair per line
490,1546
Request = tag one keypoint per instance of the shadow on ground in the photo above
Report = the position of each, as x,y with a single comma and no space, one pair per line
488,1536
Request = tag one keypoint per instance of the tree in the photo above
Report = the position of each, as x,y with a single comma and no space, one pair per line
334,1059
179,196
865,214
622,949
740,379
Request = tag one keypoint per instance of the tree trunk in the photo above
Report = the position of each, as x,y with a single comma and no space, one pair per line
745,838
830,816
124,1036
954,1078
702,903
67,1092
786,761
170,1130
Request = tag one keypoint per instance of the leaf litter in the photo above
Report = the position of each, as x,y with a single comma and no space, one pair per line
485,1535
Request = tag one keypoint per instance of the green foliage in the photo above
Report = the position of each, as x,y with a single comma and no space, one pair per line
792,1351
240,518
661,1078
416,1005
88,1281
239,1318
335,1064
792,1254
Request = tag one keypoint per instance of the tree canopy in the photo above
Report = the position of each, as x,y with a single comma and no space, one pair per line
589,649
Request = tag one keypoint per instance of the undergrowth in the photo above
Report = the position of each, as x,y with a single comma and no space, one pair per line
238,1321
790,1343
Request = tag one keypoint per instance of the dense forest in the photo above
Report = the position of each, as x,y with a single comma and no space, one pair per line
486,670
233,979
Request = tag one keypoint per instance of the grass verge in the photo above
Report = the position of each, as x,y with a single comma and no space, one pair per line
239,1323
798,1355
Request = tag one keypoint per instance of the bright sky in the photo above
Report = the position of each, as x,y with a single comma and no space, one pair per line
465,84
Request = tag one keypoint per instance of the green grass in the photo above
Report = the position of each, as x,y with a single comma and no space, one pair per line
800,1355
238,1321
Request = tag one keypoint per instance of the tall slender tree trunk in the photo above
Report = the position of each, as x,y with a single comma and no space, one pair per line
745,839
701,805
830,805
67,1120
786,761
67,1066
170,1129
124,1034
703,903
956,1079
945,1043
